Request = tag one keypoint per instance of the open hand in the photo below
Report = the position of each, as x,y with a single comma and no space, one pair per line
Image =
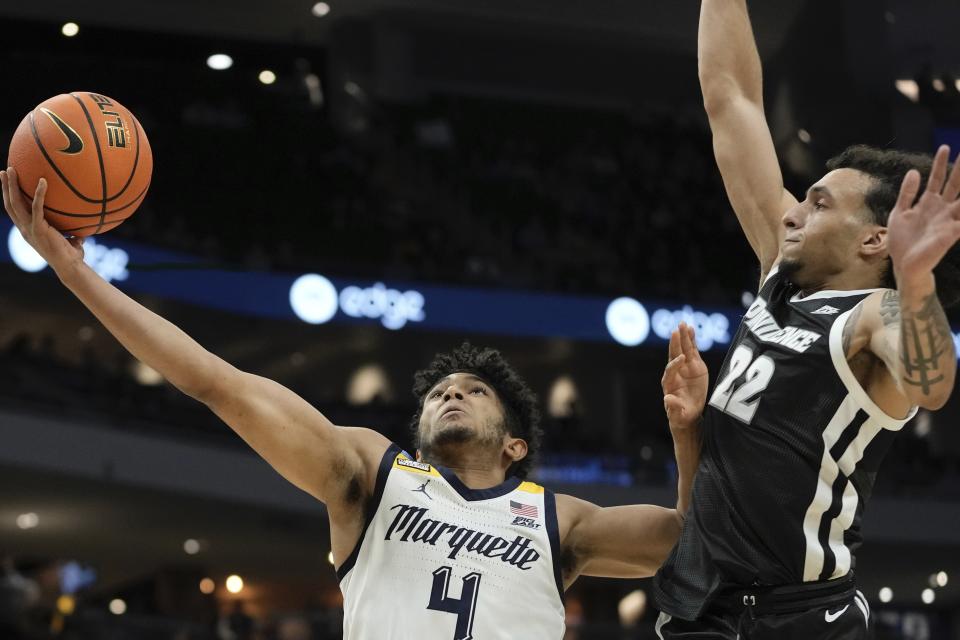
921,234
58,251
685,379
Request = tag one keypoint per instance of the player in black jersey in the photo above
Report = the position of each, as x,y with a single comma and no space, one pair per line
846,339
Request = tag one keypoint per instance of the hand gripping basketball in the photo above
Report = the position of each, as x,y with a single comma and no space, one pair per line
94,155
58,251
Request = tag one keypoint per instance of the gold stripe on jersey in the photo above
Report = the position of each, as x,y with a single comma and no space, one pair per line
530,487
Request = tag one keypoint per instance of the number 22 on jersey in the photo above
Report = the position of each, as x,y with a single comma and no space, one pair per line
741,402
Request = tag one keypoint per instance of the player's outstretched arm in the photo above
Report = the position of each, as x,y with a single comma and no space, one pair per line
908,328
633,541
685,383
731,79
296,439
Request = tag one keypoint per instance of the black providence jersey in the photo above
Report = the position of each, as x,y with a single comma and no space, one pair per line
791,446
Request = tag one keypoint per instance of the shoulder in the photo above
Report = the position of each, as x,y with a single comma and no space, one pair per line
571,512
877,312
369,445
357,471
573,507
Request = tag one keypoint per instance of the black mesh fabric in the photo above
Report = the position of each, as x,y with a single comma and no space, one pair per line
758,478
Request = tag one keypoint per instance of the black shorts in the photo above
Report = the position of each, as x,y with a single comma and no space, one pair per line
850,621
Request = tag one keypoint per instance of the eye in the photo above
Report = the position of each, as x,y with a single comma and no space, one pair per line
819,205
478,389
436,394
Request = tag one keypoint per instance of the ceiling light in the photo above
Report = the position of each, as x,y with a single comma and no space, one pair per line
66,605
632,607
70,29
320,9
909,88
145,374
234,584
219,62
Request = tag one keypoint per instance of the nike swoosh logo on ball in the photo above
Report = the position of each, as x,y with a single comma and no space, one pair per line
830,617
74,142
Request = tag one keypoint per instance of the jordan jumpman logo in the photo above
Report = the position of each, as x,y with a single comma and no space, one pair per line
423,489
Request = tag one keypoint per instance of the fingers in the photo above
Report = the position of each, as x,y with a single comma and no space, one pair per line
908,190
673,406
672,370
13,200
6,198
938,173
952,190
688,342
675,347
19,203
37,214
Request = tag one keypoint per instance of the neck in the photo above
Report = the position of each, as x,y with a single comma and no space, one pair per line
475,469
850,281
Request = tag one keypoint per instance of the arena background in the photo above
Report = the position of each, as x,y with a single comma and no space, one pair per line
497,171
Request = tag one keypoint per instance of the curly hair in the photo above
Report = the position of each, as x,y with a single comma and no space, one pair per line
522,419
888,167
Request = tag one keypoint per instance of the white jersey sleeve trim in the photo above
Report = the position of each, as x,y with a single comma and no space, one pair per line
853,385
829,293
774,270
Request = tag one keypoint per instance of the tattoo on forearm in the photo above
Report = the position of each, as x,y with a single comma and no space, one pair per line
925,337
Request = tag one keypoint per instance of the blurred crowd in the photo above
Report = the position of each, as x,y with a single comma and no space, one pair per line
36,378
34,606
455,190
939,92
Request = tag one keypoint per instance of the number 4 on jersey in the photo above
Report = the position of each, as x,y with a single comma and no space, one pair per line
742,402
464,607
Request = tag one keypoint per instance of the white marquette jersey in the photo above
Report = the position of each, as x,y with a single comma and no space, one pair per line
440,561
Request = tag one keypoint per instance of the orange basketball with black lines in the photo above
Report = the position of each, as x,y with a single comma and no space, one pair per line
94,155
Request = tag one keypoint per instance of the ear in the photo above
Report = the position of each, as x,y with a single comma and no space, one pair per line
514,448
874,245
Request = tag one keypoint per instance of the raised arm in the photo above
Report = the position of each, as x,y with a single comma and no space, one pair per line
331,463
731,79
907,328
633,541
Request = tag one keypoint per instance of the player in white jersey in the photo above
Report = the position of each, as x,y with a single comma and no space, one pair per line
459,544
451,543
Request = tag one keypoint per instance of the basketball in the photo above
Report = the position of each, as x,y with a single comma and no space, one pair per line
94,155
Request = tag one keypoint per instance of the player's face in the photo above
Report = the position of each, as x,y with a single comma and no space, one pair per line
824,233
461,408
